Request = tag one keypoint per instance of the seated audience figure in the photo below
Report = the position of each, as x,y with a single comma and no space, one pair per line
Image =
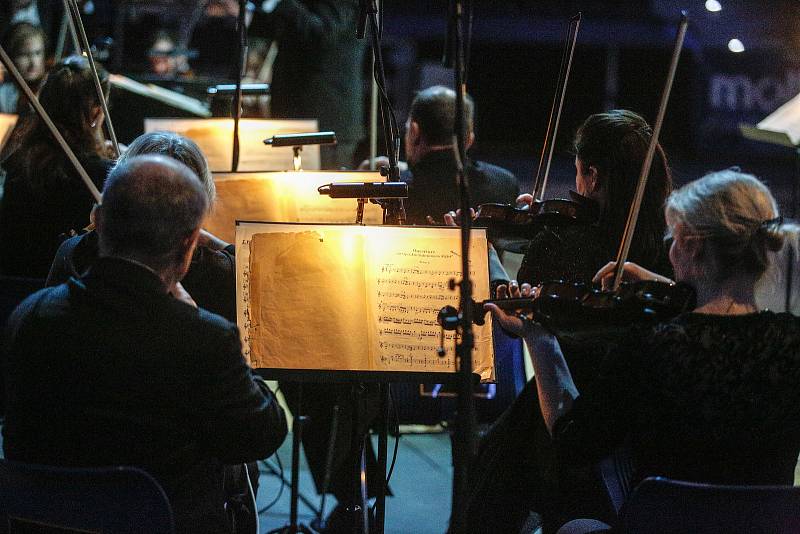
46,14
709,396
44,198
25,44
211,279
165,59
431,163
120,366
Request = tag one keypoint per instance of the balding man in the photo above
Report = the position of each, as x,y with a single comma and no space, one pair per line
119,367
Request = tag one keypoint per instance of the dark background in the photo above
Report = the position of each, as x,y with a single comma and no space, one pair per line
621,61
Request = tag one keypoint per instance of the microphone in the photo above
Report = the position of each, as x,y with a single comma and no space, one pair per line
229,89
313,138
365,190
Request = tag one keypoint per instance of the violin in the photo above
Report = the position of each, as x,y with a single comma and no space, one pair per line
578,311
505,221
512,225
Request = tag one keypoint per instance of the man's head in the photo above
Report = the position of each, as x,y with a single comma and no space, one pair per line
430,122
152,210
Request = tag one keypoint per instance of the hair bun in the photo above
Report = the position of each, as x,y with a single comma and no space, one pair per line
772,233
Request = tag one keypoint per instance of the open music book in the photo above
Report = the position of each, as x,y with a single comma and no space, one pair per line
289,196
360,298
215,139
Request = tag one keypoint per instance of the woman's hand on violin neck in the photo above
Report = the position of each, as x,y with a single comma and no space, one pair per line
515,324
631,272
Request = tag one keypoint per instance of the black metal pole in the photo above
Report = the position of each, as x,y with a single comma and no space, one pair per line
464,450
383,443
236,112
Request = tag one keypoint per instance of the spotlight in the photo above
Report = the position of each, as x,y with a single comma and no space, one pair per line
713,6
735,46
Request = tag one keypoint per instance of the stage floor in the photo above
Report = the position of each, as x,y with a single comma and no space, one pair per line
421,484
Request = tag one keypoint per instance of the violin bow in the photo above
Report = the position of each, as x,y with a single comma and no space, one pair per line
633,214
75,14
555,110
23,85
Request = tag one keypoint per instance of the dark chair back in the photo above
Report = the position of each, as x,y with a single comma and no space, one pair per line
616,476
13,290
110,500
664,506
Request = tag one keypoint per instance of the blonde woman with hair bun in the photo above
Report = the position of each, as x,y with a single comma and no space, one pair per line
709,396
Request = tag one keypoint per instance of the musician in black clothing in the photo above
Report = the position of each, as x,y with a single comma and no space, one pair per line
44,197
120,367
430,153
211,279
609,149
708,396
319,69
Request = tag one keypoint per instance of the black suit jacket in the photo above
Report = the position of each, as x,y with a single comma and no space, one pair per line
318,72
432,188
211,279
111,370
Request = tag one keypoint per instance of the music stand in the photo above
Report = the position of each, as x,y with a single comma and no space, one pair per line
398,346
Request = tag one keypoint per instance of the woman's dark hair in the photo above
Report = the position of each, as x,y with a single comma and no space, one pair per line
69,97
615,143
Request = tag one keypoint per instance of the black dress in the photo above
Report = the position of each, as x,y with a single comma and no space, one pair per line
516,469
35,220
704,398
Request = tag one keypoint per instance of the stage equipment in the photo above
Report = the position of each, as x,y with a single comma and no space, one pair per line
298,141
214,137
371,190
248,89
285,196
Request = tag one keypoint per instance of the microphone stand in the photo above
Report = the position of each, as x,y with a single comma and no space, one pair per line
395,212
464,448
236,111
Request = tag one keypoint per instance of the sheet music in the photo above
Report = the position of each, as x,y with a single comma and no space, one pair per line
215,139
353,297
407,285
285,197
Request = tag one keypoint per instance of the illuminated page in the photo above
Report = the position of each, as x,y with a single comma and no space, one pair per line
307,300
285,197
215,139
408,275
7,123
402,274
